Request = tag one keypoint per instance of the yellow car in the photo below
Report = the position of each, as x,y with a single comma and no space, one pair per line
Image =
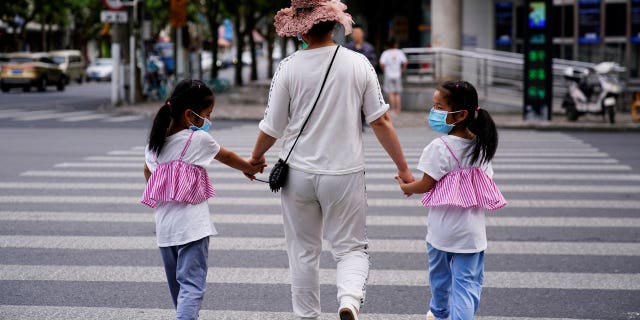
25,70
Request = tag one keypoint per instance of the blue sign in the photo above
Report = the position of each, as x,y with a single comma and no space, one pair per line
635,21
589,12
504,23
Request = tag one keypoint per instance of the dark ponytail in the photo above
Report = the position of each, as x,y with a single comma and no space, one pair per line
461,95
188,94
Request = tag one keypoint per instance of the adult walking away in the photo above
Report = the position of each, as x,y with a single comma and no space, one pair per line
393,63
359,45
324,195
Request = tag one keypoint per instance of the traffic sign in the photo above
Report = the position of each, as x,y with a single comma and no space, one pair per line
113,4
113,16
178,16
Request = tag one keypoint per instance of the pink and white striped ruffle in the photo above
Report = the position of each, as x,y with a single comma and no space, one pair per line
467,188
179,181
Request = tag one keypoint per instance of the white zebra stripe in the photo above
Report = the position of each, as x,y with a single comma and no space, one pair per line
19,312
493,279
498,160
276,219
512,203
250,186
369,175
278,244
378,166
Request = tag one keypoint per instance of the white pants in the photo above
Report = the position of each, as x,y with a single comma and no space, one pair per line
333,206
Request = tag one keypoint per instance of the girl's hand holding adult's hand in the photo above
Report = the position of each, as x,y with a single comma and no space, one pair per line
401,182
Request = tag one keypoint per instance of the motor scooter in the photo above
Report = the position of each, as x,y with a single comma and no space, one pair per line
592,91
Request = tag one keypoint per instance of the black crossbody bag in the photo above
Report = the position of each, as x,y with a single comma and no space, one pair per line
280,171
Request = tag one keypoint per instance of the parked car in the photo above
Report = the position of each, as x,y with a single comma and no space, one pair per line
25,70
99,70
71,64
3,59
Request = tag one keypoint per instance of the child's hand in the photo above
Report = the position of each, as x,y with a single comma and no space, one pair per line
256,165
402,183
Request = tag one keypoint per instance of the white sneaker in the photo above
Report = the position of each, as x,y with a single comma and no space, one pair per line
430,316
348,312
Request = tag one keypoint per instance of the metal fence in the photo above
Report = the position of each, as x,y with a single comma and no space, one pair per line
497,75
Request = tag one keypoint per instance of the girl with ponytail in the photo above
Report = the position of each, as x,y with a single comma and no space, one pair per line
457,189
178,188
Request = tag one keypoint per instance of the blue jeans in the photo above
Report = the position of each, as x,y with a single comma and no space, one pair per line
456,283
186,269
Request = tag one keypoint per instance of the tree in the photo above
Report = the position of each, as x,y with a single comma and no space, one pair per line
17,14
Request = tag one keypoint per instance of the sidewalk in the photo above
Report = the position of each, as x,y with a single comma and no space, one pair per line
227,109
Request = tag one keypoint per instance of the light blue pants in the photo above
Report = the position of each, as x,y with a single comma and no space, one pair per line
456,283
186,269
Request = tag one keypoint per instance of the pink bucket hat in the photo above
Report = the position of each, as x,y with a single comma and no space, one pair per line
304,14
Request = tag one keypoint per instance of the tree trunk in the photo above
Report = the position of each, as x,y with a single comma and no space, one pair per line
270,38
239,47
251,24
212,17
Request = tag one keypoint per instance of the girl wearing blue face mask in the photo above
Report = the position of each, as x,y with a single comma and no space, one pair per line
178,188
457,189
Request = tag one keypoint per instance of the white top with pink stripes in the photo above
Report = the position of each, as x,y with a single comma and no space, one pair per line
450,228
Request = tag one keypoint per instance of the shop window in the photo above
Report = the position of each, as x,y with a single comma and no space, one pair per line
616,19
563,21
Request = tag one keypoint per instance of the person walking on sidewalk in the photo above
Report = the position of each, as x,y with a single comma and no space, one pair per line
178,188
458,190
324,194
393,63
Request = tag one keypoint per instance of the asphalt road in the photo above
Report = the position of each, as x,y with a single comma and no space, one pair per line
76,244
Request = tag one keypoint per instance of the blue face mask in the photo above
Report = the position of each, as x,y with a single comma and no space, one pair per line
438,121
205,126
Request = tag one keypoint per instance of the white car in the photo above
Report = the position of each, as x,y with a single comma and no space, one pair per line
100,69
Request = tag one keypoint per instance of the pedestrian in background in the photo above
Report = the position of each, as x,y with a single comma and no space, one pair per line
178,187
393,63
324,194
360,45
458,190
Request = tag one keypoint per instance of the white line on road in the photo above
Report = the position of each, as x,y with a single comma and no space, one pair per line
229,174
20,312
123,118
392,186
382,166
276,219
493,279
278,244
84,118
390,202
498,160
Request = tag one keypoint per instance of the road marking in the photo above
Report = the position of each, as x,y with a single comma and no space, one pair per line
124,118
19,312
492,279
390,166
54,115
278,244
276,219
230,174
389,202
388,160
95,116
250,186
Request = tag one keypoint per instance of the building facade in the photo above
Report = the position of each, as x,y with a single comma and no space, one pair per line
584,30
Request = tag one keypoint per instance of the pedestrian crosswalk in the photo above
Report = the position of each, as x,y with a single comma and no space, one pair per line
75,243
22,116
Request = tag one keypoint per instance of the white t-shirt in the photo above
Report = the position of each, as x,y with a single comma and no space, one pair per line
392,59
179,223
453,229
332,140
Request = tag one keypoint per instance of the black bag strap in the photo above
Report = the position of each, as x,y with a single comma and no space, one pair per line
314,104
